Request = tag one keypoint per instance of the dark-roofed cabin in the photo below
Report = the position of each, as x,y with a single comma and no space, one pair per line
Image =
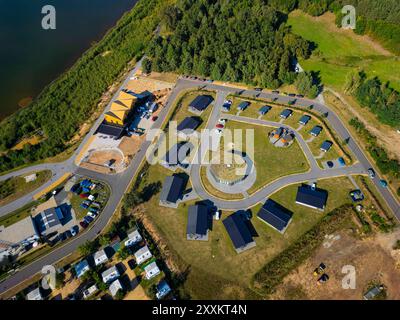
316,131
198,219
311,197
172,191
200,103
264,110
304,120
239,232
286,113
177,156
243,105
188,126
276,216
111,130
326,145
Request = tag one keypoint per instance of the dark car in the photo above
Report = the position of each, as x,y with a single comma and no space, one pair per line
68,234
291,95
132,264
258,89
330,164
299,96
62,236
83,224
88,219
275,91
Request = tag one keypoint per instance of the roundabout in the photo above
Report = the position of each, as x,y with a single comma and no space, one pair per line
234,177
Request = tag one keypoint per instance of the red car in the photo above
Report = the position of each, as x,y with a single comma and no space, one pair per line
219,126
154,118
84,195
83,224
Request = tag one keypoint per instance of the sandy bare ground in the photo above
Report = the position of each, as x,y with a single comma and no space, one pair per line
374,260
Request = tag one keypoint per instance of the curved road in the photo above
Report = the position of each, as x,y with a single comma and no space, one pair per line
120,182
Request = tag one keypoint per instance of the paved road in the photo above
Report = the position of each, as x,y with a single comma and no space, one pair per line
119,182
314,173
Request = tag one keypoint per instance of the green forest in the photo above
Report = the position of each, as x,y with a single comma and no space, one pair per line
69,101
238,41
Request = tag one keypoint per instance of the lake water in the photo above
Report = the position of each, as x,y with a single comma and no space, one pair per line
31,57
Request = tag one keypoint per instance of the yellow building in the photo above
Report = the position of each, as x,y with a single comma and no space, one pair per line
120,109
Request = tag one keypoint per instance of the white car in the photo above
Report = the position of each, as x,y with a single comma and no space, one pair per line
218,131
222,121
92,214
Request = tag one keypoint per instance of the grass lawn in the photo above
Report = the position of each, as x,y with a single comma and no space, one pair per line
271,162
213,266
341,51
16,187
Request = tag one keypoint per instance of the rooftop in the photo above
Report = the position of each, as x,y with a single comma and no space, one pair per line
200,103
311,197
316,130
197,220
286,113
173,188
275,215
110,130
189,123
326,145
238,230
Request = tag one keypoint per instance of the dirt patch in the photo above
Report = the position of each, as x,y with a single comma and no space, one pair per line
102,158
141,83
130,145
373,259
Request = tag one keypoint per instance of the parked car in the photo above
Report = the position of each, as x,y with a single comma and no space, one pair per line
219,126
94,210
68,234
88,219
258,89
219,131
299,96
84,206
83,224
291,94
222,121
341,162
383,183
92,215
275,91
330,164
74,231
154,118
371,173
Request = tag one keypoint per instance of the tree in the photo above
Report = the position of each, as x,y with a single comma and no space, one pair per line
123,253
305,86
88,247
146,66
